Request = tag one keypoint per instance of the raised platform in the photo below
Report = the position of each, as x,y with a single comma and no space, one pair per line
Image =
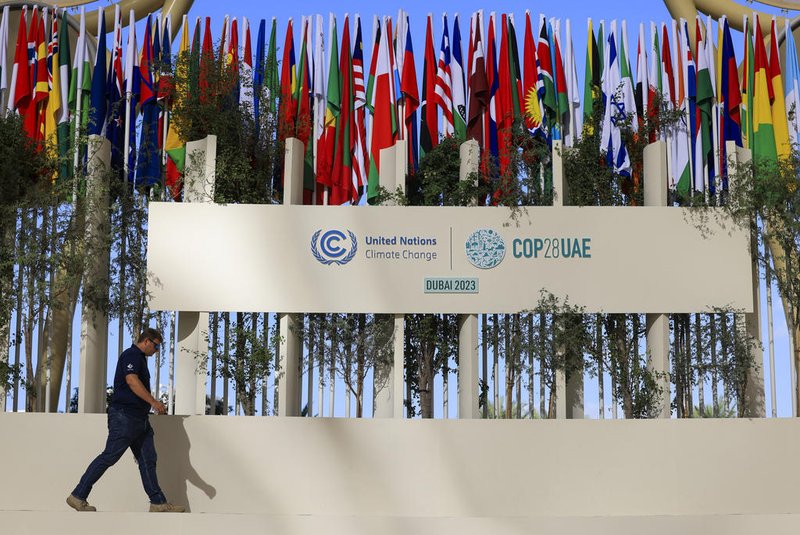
50,523
307,475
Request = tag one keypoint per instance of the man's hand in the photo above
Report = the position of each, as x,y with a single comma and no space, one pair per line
138,388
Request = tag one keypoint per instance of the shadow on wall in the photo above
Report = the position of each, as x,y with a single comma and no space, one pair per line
175,470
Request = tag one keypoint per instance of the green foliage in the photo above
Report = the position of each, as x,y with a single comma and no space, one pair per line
248,154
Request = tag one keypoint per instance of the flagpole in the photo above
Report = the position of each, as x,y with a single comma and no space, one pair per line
79,86
129,60
165,123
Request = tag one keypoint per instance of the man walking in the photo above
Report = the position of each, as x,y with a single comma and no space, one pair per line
129,426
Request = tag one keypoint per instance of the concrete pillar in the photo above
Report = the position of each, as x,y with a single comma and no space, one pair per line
655,194
190,369
568,392
389,389
290,351
468,366
468,383
192,346
94,320
755,398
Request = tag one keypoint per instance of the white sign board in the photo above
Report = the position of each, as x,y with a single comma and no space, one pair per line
255,258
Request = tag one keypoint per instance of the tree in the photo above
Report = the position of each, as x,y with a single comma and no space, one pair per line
767,192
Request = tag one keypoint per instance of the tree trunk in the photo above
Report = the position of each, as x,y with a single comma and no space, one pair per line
712,320
361,358
698,340
495,366
485,364
543,371
600,366
510,366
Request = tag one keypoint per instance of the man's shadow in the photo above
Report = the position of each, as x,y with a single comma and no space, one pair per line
175,468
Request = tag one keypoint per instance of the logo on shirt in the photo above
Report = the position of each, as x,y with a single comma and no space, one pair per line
130,366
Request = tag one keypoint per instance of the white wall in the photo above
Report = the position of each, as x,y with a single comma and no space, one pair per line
459,468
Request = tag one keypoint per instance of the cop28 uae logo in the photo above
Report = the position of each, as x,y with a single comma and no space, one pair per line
485,248
333,246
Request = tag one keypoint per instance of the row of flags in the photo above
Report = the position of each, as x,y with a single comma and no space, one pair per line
473,85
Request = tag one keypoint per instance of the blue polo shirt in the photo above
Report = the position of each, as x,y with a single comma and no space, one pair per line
133,360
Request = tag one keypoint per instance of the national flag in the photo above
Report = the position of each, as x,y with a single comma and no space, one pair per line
748,84
731,99
98,114
258,75
232,60
53,86
115,131
514,67
429,118
360,155
777,98
246,97
376,40
148,162
560,81
303,95
457,78
271,79
626,75
443,89
530,71
288,105
63,115
490,118
206,62
704,146
546,86
410,93
763,141
41,93
342,190
574,125
504,113
331,109
478,87
175,145
591,77
383,103
655,84
132,84
322,164
681,133
80,88
642,84
615,112
792,102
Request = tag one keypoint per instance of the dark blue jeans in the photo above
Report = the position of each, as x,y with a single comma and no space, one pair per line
125,432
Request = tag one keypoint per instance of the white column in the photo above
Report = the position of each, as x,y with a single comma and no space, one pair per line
755,399
389,388
192,342
190,369
290,351
94,320
468,323
655,194
569,394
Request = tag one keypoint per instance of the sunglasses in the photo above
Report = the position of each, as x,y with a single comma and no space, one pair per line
155,345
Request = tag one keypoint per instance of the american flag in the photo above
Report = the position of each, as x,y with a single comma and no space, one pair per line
444,92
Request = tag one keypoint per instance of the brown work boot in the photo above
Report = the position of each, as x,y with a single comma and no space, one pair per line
78,504
166,508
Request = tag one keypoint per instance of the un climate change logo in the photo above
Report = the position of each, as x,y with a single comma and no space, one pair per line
334,247
485,248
